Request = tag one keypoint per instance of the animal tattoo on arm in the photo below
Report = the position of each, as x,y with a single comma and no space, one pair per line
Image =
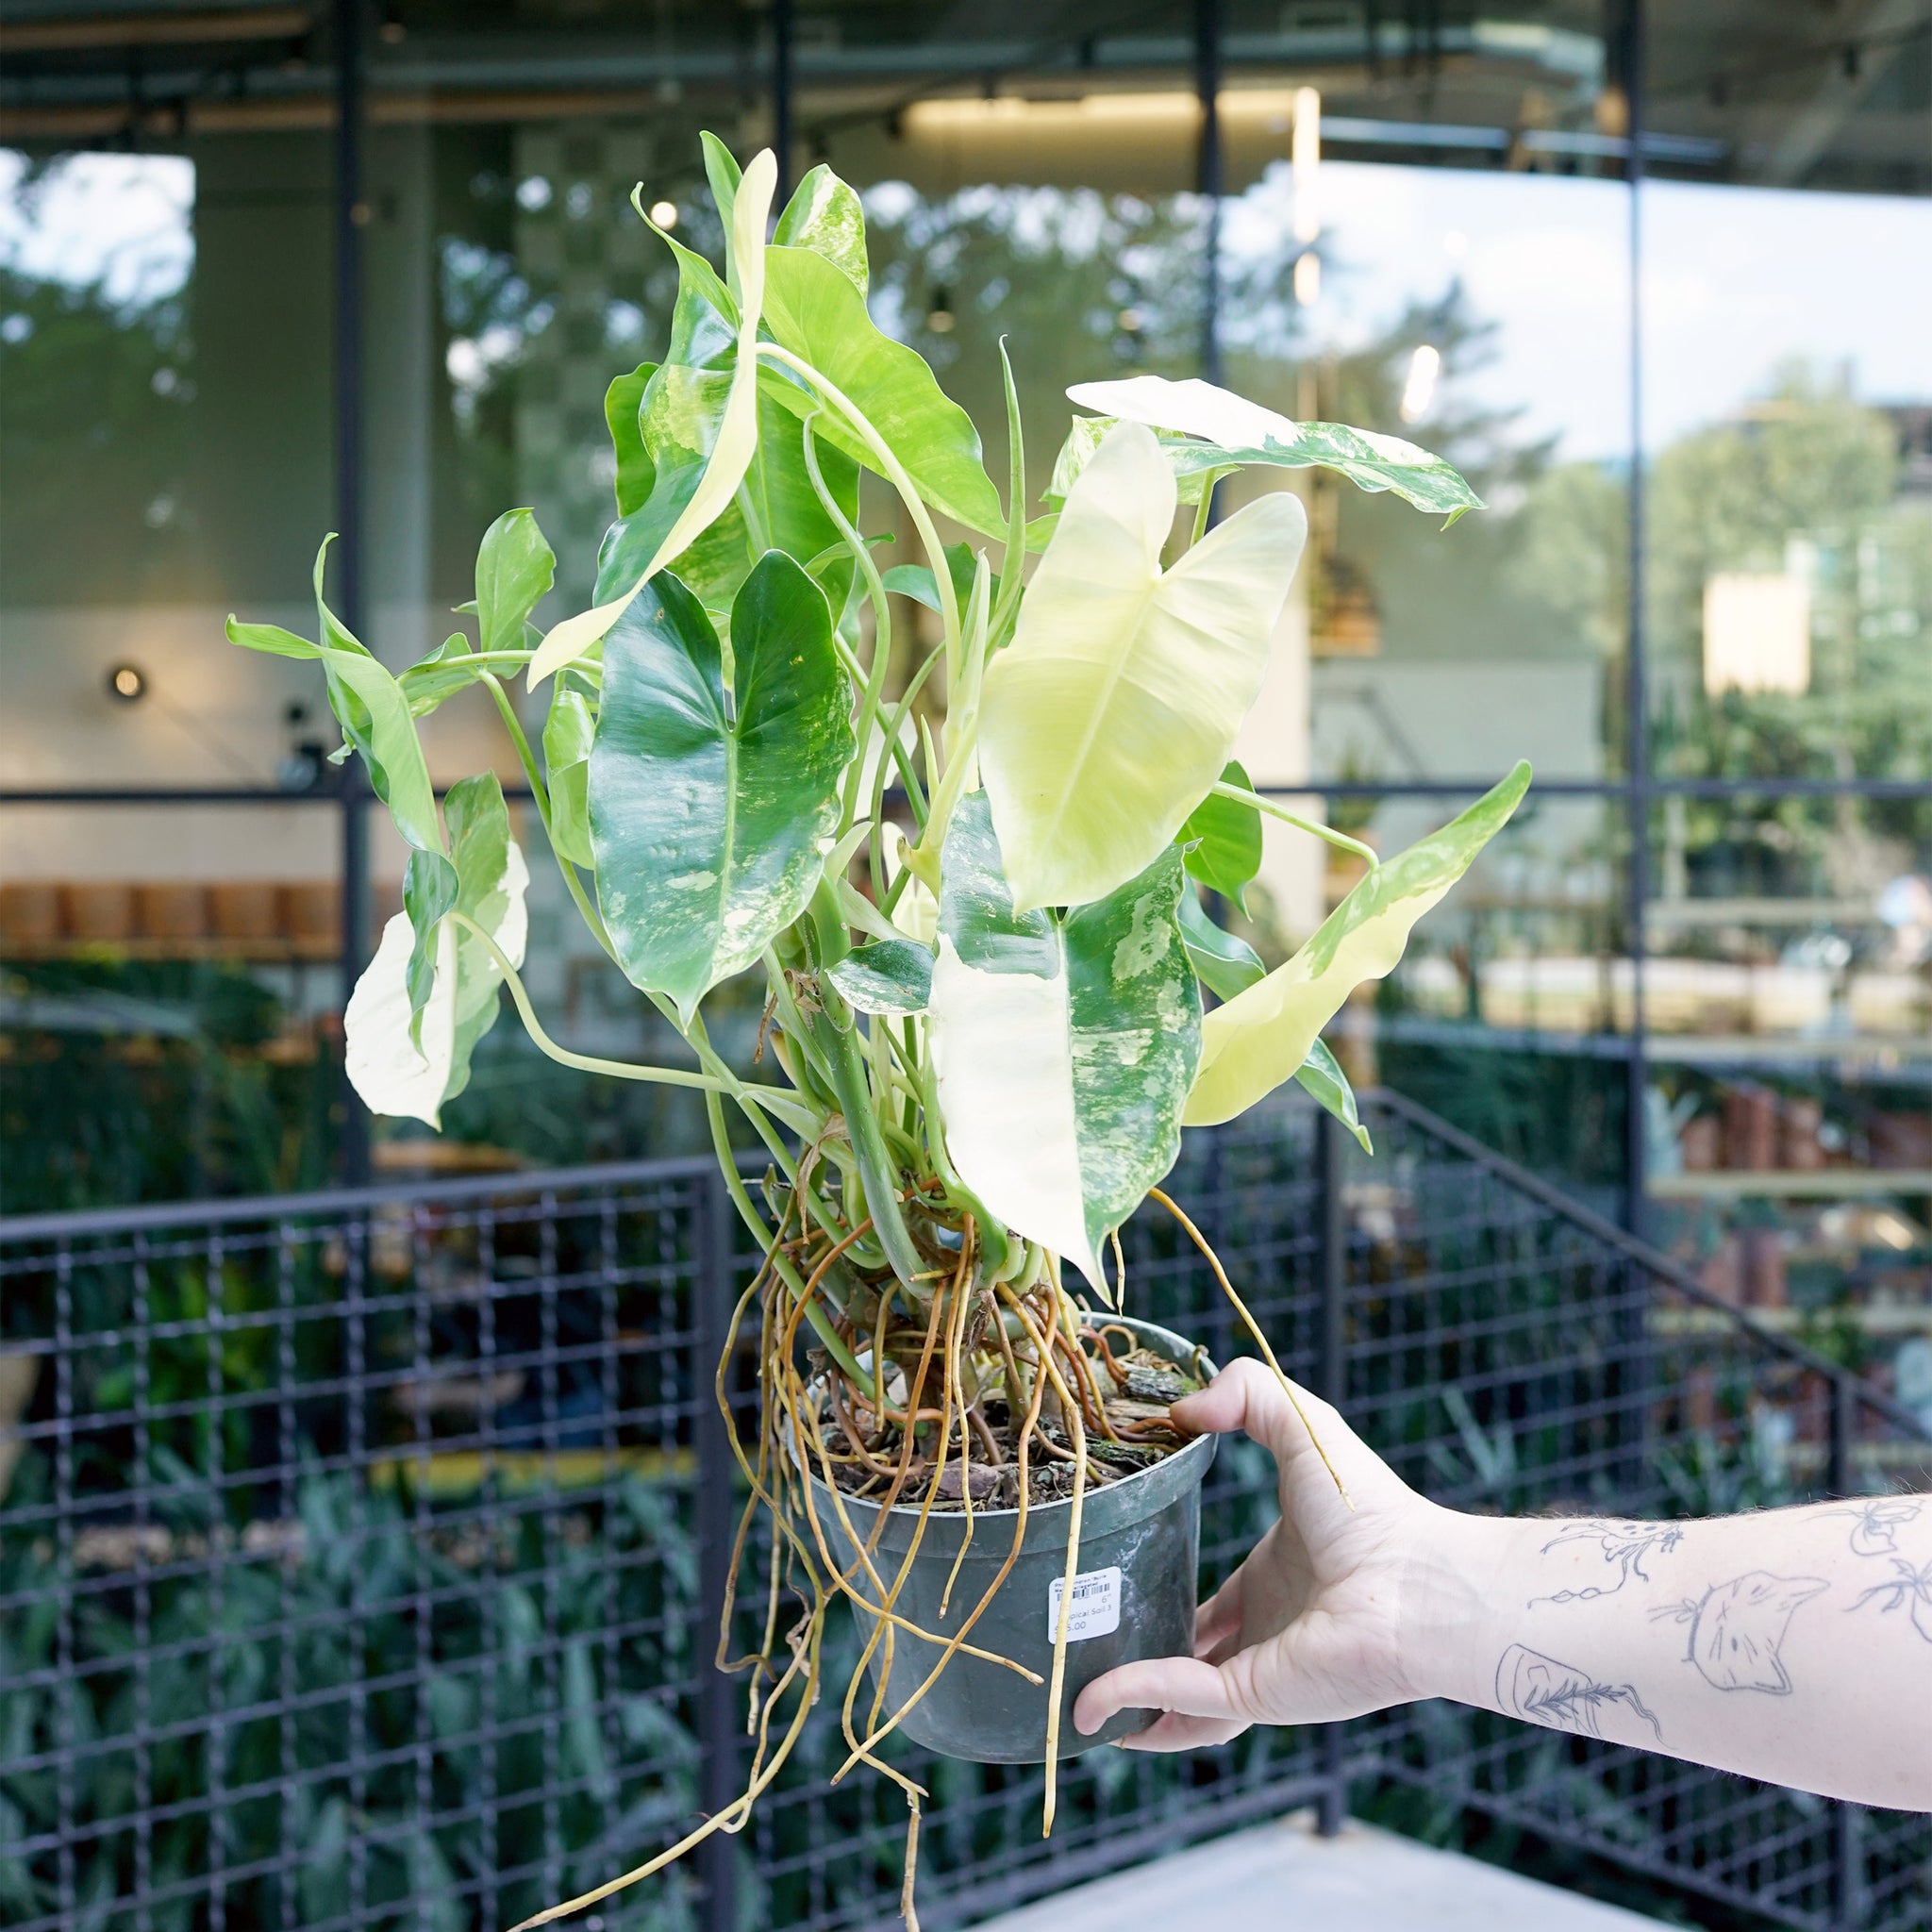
1737,1628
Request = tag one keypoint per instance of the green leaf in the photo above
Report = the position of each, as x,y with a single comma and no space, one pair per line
1117,704
623,404
568,732
271,638
722,171
430,890
707,820
826,216
1064,1044
440,675
1321,1075
1234,432
514,570
1224,963
492,880
785,514
916,580
812,308
407,1061
1261,1037
687,497
1227,839
888,977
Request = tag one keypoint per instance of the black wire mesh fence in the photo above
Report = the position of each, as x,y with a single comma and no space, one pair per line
360,1554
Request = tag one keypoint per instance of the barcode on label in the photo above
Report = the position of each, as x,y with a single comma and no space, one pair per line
1095,1611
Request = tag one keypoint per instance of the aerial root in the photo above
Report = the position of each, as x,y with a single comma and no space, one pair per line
1254,1328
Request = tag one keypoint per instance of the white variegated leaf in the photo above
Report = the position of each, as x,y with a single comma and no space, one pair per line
1262,1037
1064,1044
1117,704
393,1074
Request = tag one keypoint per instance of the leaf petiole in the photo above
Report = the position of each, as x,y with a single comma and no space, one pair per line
1254,799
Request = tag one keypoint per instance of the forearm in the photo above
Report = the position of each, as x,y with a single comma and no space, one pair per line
1793,1645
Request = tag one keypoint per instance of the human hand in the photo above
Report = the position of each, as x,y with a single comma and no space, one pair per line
1312,1626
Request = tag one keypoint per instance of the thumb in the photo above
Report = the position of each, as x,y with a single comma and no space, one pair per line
1306,1437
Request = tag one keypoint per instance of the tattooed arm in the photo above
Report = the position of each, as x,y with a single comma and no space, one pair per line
1793,1645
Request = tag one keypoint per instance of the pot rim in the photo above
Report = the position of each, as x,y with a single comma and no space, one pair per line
1201,1449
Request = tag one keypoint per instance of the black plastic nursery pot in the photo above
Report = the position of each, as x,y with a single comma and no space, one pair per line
1133,1598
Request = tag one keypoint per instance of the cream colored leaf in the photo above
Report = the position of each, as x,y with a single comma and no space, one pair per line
1261,1037
737,429
385,1065
1002,1047
1116,705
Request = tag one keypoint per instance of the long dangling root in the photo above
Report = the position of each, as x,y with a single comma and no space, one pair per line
1070,1415
1254,1328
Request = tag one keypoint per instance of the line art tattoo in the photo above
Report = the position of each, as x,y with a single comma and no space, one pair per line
1623,1545
1874,1529
1909,1587
1737,1628
1541,1691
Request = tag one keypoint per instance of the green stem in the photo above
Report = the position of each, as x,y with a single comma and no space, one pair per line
1255,799
748,1213
590,1063
540,793
873,688
895,474
839,1042
1205,508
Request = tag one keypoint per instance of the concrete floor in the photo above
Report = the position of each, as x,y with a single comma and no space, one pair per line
1283,1875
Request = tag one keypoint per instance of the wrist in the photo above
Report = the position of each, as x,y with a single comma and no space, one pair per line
1455,1603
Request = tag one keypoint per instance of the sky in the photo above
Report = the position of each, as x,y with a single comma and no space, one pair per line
1737,280
124,218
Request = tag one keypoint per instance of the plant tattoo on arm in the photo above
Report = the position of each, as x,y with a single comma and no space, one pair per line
1738,1627
1908,1587
1625,1546
1874,1527
1542,1691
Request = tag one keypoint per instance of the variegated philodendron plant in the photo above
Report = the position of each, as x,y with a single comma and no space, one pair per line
983,941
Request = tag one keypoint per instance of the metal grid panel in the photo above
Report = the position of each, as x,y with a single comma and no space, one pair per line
348,1564
360,1554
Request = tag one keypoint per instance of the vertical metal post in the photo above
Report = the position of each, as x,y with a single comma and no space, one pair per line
1852,1905
714,1283
1629,33
1840,1476
350,214
1332,1370
1207,87
781,97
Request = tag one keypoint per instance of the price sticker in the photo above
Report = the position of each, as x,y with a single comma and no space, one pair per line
1095,1611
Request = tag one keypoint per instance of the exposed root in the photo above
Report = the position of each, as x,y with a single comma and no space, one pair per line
1254,1328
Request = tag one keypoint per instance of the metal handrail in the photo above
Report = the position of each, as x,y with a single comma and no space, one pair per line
1654,1261
88,1222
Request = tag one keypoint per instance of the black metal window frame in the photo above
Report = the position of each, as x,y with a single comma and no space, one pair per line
1634,795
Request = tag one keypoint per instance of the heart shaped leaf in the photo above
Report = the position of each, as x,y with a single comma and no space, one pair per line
1065,1044
706,812
1116,705
1261,1037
